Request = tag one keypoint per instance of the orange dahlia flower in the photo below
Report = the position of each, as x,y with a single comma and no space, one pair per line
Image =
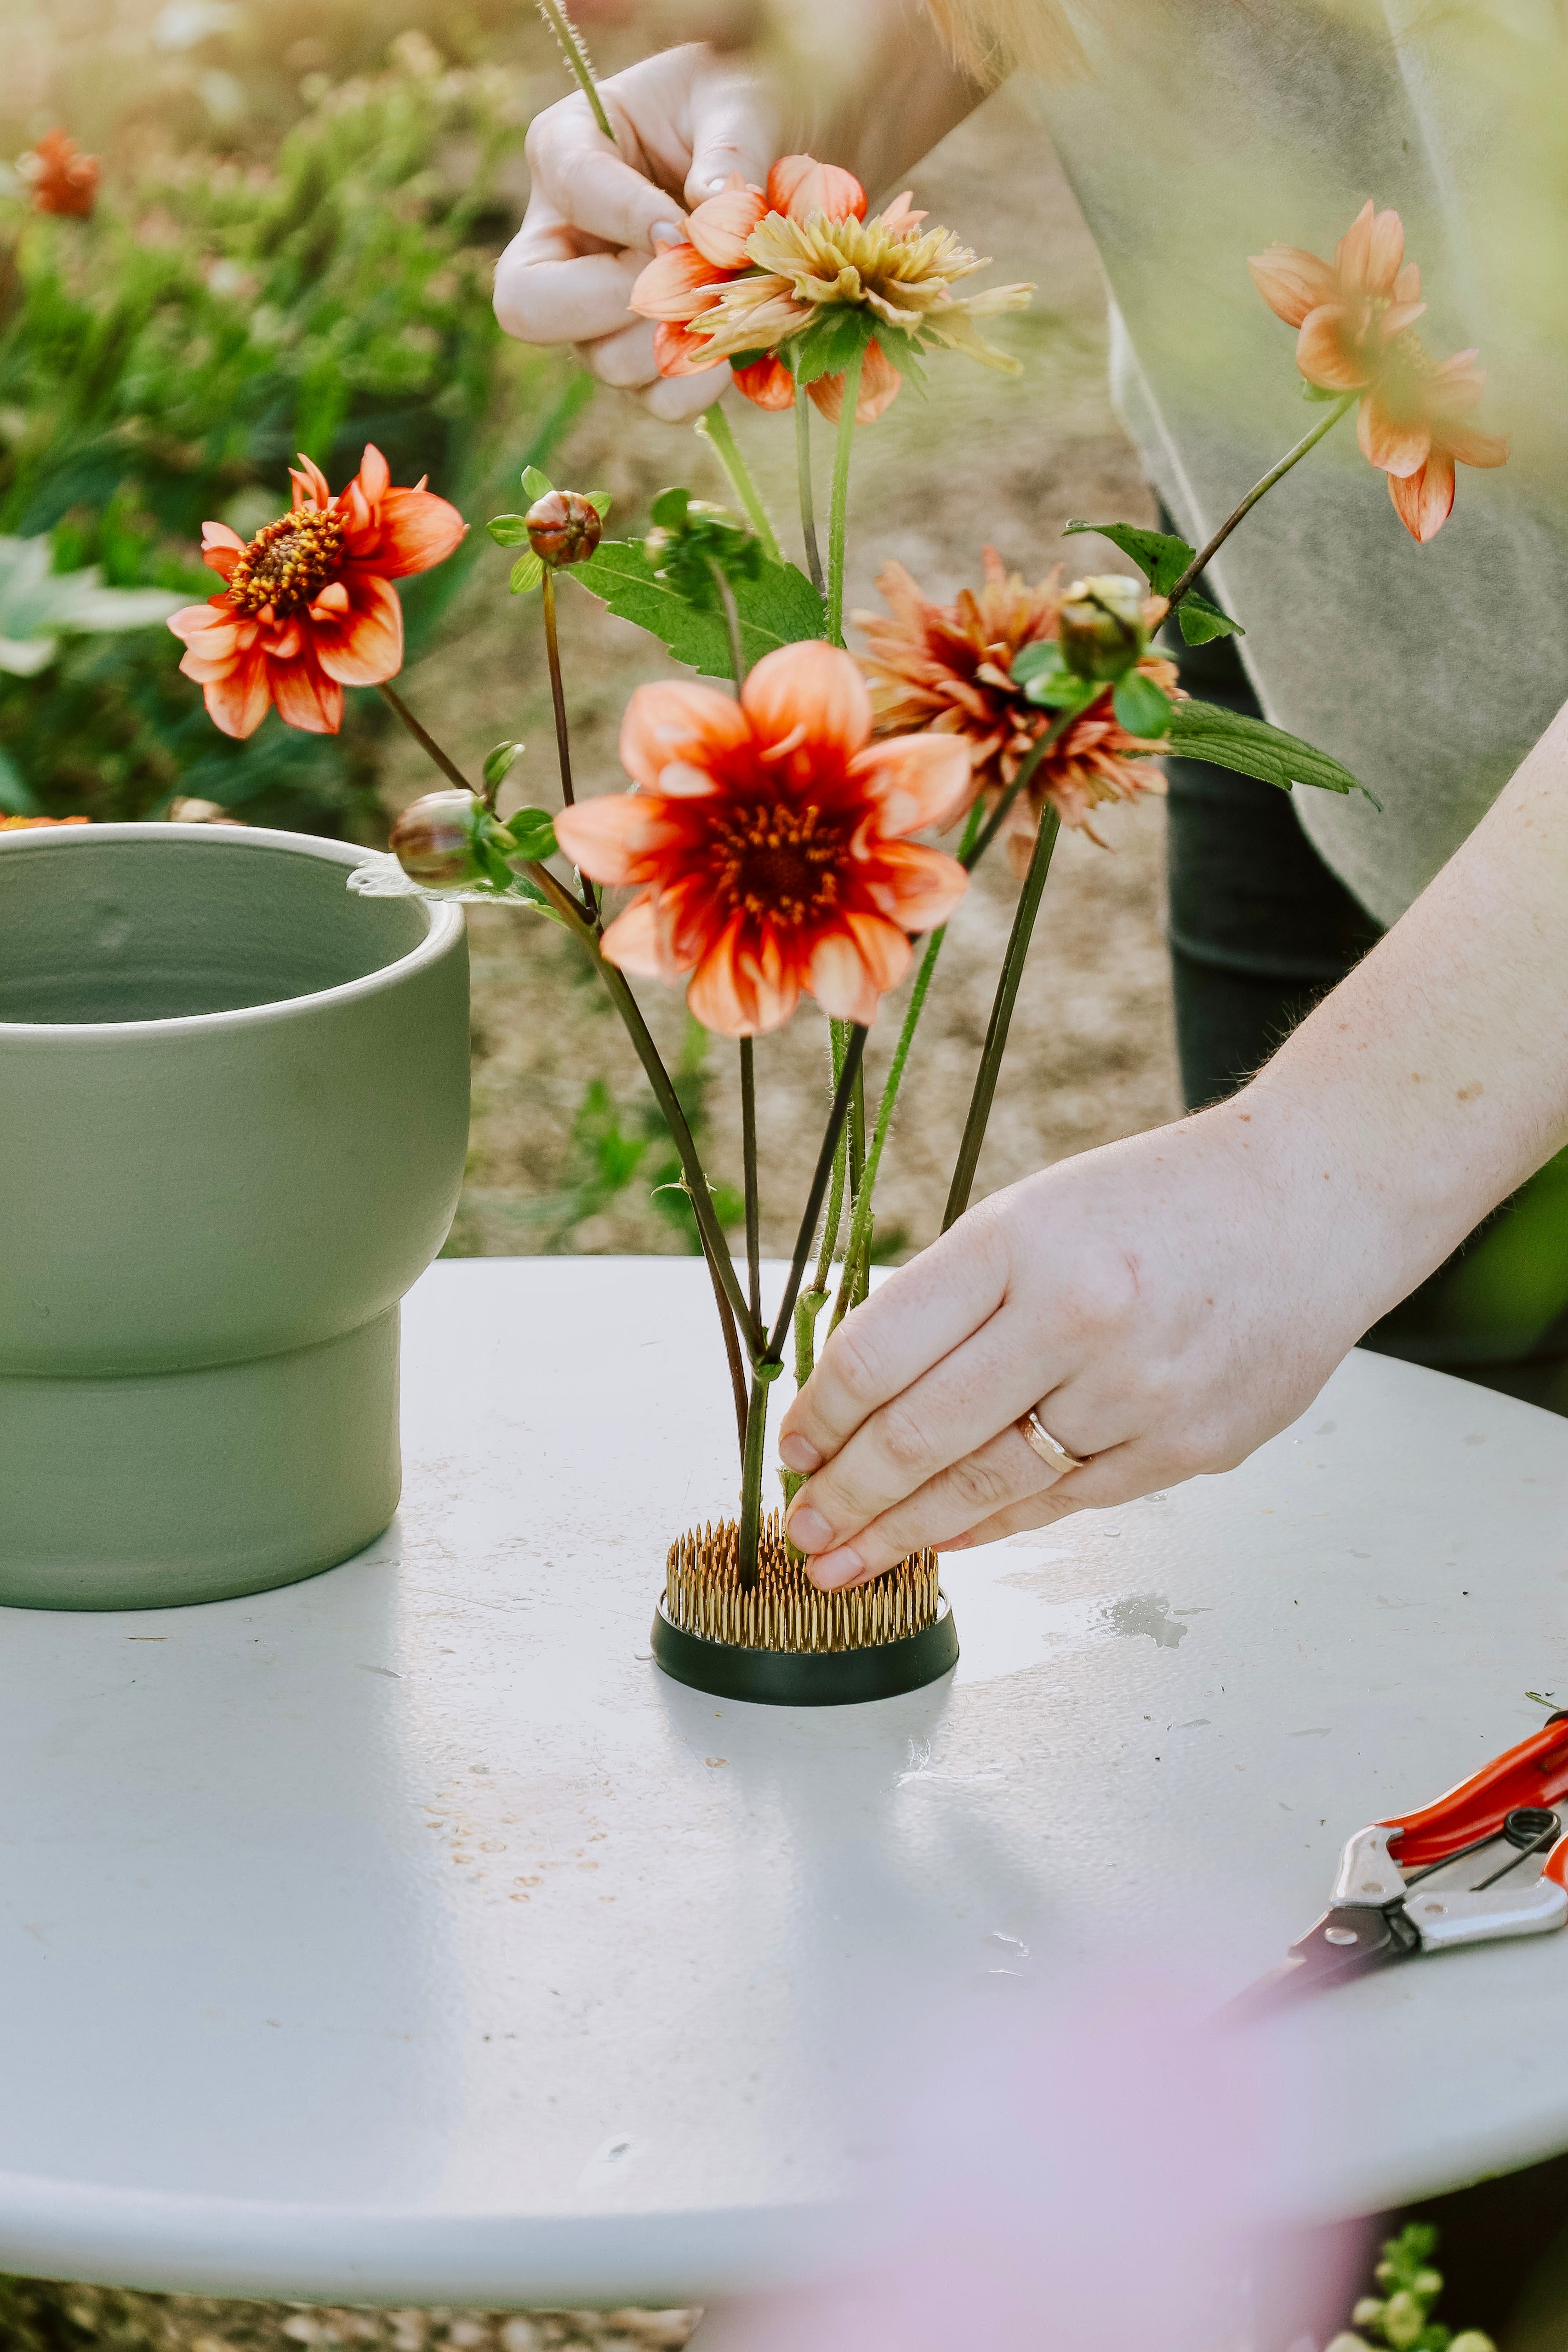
1355,319
686,280
769,842
310,607
62,179
948,668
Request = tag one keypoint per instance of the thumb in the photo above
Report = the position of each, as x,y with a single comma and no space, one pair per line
734,128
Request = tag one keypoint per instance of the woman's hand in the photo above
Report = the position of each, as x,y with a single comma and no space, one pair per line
684,121
1166,1303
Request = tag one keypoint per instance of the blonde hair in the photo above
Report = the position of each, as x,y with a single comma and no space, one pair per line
990,37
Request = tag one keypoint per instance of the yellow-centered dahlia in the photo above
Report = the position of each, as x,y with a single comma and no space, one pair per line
946,669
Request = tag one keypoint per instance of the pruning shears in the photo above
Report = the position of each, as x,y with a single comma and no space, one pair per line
1400,1892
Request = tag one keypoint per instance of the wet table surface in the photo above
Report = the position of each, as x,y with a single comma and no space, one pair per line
405,1935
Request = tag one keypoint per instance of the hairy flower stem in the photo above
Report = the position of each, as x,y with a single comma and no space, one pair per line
1006,997
815,1296
748,1154
803,474
731,623
562,735
839,508
577,58
1259,489
769,1363
733,1304
715,428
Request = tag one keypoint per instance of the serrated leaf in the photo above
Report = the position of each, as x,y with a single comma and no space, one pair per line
507,531
533,833
1162,558
1250,746
829,345
1140,707
526,573
538,484
779,607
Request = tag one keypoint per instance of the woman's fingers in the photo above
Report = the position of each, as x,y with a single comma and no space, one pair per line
548,293
587,180
905,1327
735,127
1000,1473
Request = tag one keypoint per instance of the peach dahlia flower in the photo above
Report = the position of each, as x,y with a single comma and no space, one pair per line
769,842
1355,318
948,668
308,606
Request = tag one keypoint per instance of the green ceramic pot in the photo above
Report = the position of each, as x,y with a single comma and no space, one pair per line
234,1108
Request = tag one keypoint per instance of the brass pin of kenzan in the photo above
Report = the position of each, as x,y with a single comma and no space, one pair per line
784,1610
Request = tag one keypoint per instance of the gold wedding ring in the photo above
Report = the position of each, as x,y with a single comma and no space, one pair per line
1052,1452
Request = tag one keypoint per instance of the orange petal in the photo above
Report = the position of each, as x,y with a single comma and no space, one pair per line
676,285
799,186
311,484
416,529
916,780
306,699
1397,317
220,547
1293,282
916,888
610,837
1472,449
365,644
719,228
211,630
1324,353
879,388
813,692
630,941
1425,500
1407,285
374,475
676,719
724,996
1354,250
855,964
767,382
1388,443
1385,252
239,702
900,214
676,353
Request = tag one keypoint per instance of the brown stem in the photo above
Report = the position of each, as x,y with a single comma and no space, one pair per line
562,737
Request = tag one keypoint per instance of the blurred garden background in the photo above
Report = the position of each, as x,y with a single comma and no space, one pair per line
290,248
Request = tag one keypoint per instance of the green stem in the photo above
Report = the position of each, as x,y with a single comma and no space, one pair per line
836,1042
803,476
814,1210
749,1155
563,736
839,508
753,1457
970,857
715,427
1006,997
731,623
429,746
577,58
1259,489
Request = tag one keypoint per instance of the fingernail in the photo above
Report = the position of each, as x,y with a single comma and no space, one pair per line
797,1452
832,1569
808,1531
719,182
664,232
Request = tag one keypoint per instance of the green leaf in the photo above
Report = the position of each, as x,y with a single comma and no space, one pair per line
829,345
779,607
538,484
533,833
668,511
526,573
17,797
507,531
1227,738
1140,705
1041,659
601,502
1162,559
1046,680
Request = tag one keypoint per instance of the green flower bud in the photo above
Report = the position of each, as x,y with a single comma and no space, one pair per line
1428,2283
1368,2311
1472,2340
690,536
437,841
1403,2317
563,527
1101,626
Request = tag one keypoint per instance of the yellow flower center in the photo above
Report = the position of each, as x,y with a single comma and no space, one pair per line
288,563
778,860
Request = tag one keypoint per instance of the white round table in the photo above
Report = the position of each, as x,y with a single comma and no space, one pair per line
404,1936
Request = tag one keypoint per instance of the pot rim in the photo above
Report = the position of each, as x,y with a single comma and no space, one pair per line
444,922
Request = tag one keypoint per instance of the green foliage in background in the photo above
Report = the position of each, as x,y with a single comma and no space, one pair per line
164,361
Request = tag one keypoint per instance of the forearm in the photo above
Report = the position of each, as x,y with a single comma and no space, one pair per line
1435,1078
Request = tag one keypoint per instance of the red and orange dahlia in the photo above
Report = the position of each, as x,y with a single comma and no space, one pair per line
1355,321
948,668
308,608
769,842
62,179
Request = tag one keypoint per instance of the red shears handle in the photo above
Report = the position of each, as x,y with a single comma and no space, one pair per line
1533,1773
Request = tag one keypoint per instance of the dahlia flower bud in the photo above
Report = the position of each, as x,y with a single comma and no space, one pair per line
563,527
1102,626
438,841
1404,2319
689,534
1472,2340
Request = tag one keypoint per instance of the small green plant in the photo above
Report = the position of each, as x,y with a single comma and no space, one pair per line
1400,2316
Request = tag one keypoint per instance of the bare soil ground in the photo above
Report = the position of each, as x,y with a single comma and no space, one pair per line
983,458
